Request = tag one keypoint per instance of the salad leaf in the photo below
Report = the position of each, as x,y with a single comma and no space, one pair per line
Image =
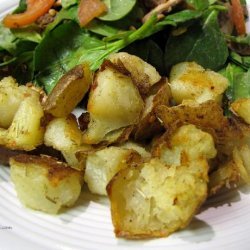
23,68
198,4
242,61
29,33
64,14
239,82
59,48
204,44
63,52
150,52
68,3
21,7
117,9
7,40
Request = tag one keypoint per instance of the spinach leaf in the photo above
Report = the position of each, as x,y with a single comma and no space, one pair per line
63,14
198,4
57,49
68,3
22,68
239,82
204,44
239,39
103,28
58,52
29,33
117,9
149,51
7,39
21,7
242,61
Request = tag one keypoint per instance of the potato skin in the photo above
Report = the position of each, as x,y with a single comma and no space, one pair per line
149,125
69,91
43,183
143,74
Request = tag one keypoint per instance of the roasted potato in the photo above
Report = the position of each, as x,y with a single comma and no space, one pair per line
110,109
10,98
69,91
241,108
207,116
187,144
234,172
64,135
189,81
143,74
149,125
102,165
154,200
43,183
26,130
160,196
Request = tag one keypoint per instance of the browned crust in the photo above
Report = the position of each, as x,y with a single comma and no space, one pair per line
56,170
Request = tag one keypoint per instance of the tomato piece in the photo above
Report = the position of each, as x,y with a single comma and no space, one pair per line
89,9
35,9
238,17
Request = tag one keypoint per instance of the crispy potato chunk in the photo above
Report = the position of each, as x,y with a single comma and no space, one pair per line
161,195
207,116
43,183
241,108
69,91
189,81
187,144
26,131
234,172
10,98
110,109
149,125
154,200
102,165
64,135
143,74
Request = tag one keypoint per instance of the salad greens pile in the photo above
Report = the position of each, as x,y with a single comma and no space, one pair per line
192,31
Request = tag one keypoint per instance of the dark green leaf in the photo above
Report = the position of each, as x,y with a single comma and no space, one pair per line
117,9
150,52
203,44
21,7
242,61
103,28
29,33
64,14
54,55
22,68
198,4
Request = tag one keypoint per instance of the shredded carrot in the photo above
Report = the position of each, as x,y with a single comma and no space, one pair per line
89,9
35,9
238,17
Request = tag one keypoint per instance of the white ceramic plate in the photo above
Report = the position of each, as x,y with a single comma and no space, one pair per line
223,223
